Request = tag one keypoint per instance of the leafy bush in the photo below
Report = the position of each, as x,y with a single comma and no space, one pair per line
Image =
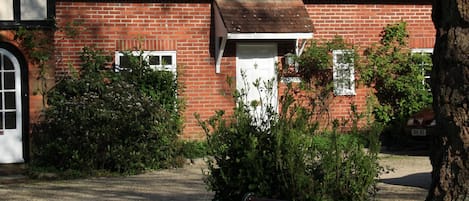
347,171
192,149
276,155
397,76
101,120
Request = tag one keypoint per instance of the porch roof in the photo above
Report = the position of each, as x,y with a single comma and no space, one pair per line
264,16
260,19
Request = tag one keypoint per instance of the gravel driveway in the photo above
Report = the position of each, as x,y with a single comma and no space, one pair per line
408,182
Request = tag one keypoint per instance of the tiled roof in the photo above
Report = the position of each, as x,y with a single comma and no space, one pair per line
265,16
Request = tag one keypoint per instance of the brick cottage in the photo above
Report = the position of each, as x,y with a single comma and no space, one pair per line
204,41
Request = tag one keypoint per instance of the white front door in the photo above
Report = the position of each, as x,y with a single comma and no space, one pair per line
11,142
256,63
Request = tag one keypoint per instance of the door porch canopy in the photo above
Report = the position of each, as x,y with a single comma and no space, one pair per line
260,20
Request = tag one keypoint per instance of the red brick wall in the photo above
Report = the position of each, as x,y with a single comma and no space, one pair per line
361,25
186,28
183,27
35,98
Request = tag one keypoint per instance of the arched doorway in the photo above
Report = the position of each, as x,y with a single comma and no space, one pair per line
12,112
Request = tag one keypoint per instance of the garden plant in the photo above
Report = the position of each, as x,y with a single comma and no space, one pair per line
97,119
283,155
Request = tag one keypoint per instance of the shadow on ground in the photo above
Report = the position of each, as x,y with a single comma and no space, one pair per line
421,180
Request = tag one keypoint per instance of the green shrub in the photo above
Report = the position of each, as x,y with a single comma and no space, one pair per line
347,171
192,149
102,121
276,155
397,76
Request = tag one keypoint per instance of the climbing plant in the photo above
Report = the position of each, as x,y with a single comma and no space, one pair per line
37,45
315,67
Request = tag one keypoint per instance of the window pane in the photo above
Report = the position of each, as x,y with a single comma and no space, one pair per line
124,61
10,120
9,80
10,101
154,60
129,61
6,10
33,9
1,101
167,60
343,79
7,64
428,83
340,59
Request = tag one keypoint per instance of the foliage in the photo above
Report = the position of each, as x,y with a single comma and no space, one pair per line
276,155
316,71
397,76
192,149
161,86
318,56
348,172
103,120
37,45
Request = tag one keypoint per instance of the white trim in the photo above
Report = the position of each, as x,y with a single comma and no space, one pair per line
339,90
240,83
290,80
146,54
220,45
220,49
278,36
11,141
424,50
299,50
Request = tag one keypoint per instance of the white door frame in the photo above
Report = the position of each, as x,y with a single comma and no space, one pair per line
266,53
11,140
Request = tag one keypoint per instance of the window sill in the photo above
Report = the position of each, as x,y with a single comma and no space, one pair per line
293,79
45,24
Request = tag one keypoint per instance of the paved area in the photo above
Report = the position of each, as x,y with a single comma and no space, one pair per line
184,184
410,179
408,182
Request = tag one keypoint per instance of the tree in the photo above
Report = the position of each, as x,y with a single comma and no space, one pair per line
450,87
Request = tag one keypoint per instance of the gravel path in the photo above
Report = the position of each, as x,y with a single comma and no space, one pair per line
408,182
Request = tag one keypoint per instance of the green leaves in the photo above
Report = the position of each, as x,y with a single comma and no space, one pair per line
280,157
101,120
397,76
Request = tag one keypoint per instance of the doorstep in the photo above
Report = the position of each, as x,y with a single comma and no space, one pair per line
12,173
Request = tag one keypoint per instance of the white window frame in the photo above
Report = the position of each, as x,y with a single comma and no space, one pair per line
421,51
146,55
340,89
